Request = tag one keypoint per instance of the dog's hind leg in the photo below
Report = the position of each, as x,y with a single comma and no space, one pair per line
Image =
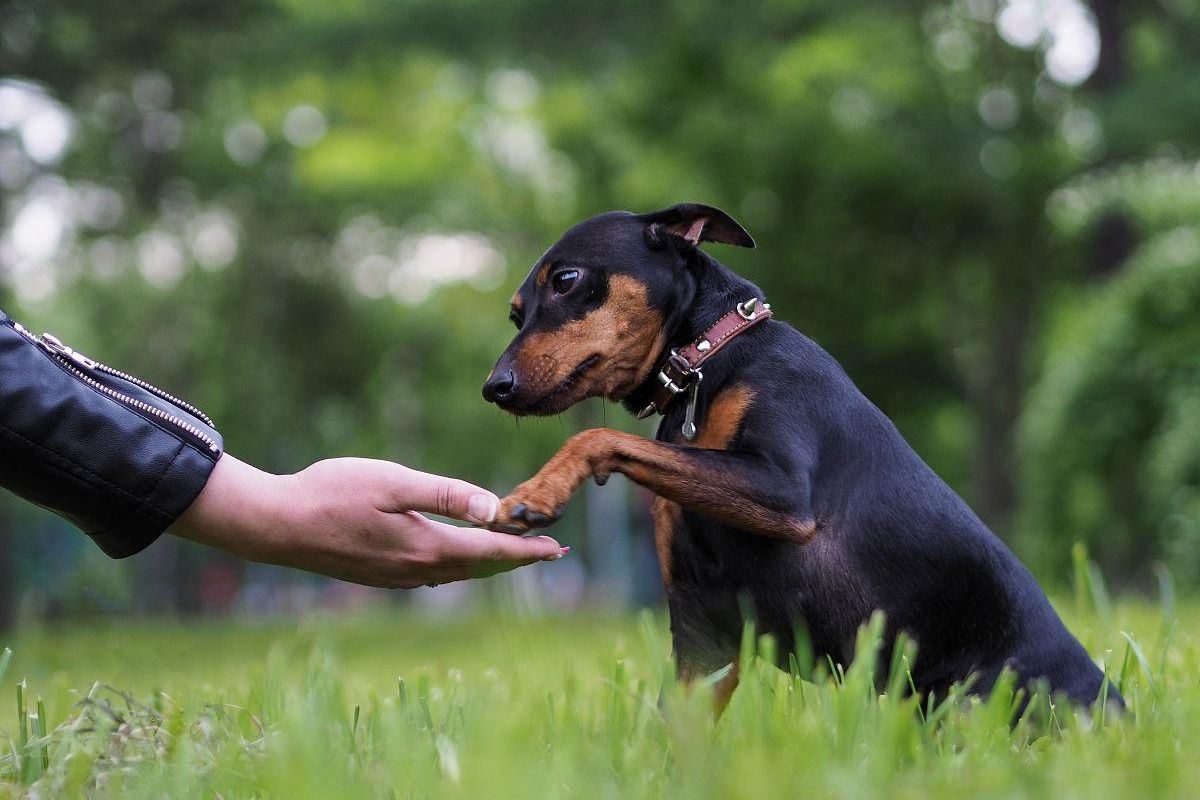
723,682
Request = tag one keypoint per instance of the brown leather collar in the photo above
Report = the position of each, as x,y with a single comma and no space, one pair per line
681,370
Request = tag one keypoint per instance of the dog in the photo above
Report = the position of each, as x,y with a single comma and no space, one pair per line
781,491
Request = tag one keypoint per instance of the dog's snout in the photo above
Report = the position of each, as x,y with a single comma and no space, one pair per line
500,386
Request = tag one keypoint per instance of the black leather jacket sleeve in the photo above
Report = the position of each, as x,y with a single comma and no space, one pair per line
112,454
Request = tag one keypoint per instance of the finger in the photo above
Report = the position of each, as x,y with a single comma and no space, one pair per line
485,569
449,497
478,545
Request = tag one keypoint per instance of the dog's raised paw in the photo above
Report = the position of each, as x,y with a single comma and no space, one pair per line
521,516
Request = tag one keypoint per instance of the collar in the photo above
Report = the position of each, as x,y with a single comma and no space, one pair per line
680,371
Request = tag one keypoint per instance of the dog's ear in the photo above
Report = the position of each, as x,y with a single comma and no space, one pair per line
696,223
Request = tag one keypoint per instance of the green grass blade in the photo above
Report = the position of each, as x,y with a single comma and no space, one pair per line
1143,662
1091,591
1166,593
904,653
1099,588
24,767
716,676
804,659
44,731
1126,669
1079,577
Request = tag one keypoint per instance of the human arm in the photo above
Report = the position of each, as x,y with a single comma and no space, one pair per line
358,520
112,457
123,462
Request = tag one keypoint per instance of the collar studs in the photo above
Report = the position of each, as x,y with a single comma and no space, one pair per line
749,309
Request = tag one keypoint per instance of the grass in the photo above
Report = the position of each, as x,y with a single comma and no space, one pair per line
393,706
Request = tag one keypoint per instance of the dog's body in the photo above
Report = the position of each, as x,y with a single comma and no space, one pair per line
798,501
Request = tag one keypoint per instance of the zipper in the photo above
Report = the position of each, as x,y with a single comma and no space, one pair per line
75,362
116,373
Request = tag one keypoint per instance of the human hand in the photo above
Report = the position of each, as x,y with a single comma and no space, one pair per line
358,520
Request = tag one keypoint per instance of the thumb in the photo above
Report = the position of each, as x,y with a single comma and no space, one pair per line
449,497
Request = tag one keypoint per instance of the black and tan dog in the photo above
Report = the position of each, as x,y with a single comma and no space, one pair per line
779,487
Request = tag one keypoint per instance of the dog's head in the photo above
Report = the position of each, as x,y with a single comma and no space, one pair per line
594,313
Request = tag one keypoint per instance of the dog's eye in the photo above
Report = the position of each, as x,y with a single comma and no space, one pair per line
564,280
516,318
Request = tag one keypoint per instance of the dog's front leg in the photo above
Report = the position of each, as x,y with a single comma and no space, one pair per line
744,490
540,501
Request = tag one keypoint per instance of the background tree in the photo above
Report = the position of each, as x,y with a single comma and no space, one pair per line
308,218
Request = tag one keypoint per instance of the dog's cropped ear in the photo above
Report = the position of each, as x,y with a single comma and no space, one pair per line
696,223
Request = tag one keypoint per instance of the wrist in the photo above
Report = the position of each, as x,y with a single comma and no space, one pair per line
241,509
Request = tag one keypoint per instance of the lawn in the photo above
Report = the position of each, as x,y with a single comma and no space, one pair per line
572,706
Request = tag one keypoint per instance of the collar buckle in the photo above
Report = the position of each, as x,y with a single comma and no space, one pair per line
680,371
676,376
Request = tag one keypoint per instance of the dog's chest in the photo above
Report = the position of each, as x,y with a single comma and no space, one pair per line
680,536
718,421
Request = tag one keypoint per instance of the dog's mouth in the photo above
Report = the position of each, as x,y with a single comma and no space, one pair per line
561,397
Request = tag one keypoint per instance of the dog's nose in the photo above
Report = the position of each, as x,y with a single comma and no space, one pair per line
499,386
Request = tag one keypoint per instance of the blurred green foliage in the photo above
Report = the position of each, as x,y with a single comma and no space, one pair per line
1111,432
902,167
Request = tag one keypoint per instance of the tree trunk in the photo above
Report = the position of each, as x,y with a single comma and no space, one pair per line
608,538
997,385
998,391
1110,69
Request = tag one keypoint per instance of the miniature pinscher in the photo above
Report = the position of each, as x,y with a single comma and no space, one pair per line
780,490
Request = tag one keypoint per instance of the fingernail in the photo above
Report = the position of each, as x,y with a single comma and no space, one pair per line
562,552
482,508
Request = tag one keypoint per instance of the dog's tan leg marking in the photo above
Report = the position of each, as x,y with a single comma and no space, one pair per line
667,517
722,690
721,423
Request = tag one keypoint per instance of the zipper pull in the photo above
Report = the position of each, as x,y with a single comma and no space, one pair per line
689,414
55,347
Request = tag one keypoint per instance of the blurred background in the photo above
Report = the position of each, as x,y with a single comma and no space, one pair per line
307,217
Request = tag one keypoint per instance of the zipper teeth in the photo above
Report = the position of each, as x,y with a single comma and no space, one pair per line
149,387
126,399
138,404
